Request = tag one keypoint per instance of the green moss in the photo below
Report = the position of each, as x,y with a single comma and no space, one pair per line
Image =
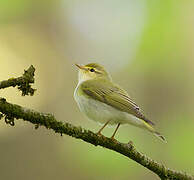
23,82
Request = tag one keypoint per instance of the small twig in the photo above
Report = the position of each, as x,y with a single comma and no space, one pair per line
22,82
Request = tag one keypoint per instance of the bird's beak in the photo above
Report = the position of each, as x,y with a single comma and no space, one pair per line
80,66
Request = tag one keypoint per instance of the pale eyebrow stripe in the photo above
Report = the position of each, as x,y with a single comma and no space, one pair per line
98,72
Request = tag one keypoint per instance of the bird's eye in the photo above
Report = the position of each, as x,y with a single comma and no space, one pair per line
92,70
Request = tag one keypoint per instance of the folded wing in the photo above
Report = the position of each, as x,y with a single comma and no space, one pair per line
108,93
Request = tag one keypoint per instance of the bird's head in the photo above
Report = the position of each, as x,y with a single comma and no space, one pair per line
92,71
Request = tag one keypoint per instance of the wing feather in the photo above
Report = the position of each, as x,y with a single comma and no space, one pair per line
108,93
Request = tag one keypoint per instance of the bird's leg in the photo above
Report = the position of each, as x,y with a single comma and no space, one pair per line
99,132
112,137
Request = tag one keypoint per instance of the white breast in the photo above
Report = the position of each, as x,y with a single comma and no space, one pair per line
101,112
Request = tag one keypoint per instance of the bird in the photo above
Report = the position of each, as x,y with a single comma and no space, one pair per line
103,101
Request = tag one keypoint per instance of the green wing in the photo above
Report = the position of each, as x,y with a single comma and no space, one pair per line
111,94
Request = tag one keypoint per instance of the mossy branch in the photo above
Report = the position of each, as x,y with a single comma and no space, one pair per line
14,112
22,83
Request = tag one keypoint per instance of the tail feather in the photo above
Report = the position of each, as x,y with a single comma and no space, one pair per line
157,134
152,130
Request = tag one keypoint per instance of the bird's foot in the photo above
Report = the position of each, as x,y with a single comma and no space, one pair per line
98,133
113,139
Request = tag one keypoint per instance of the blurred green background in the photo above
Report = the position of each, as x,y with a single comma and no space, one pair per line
148,48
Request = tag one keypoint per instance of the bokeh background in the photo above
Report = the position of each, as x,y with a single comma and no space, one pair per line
148,46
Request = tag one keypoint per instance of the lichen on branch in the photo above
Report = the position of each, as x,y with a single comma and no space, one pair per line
23,82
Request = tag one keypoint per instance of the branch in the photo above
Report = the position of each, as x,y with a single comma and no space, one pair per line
13,111
22,83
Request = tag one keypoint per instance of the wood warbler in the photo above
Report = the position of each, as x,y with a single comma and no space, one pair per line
101,100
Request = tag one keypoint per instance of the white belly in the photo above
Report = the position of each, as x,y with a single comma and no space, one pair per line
101,112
